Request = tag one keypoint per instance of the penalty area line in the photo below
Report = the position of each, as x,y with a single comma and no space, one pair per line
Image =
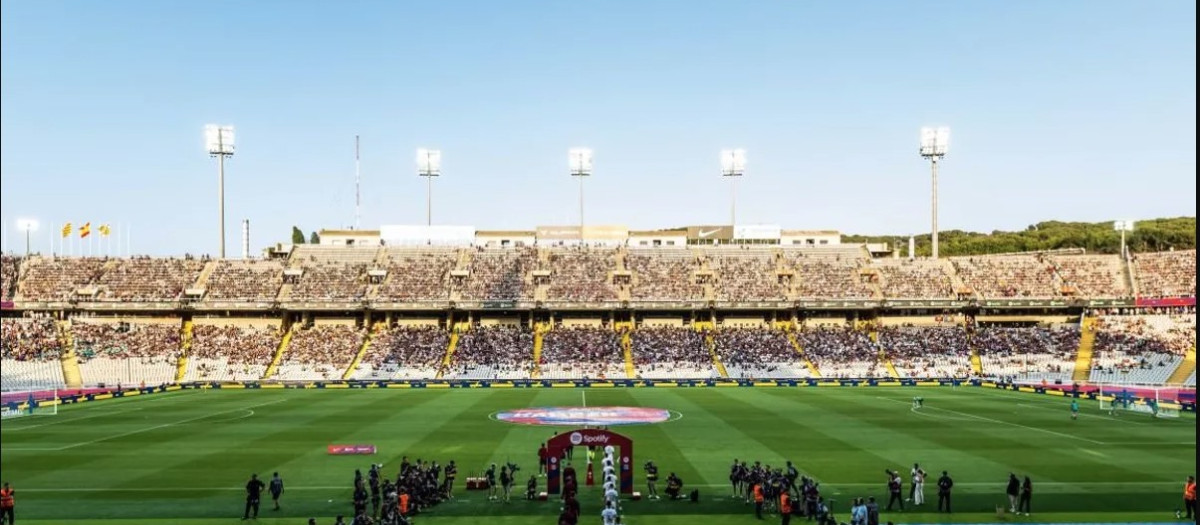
1002,422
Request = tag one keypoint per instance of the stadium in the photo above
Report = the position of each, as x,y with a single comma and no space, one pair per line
854,327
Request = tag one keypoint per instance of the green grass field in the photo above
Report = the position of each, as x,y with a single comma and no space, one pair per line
183,457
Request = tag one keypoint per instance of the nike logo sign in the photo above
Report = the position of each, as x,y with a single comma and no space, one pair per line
703,233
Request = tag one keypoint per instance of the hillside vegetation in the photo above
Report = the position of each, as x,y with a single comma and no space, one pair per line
1152,235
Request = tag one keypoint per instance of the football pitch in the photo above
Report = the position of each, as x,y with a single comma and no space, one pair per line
184,457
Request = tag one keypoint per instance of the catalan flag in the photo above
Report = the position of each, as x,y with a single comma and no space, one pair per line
85,230
105,230
66,230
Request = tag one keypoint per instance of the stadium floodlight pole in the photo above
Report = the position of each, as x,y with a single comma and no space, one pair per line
934,143
1123,227
219,143
28,226
429,165
579,160
733,165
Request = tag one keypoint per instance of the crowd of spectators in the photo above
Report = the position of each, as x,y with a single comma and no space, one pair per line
582,275
671,352
417,276
829,276
231,351
29,339
406,352
57,279
330,281
758,353
148,279
841,351
1166,274
575,352
1146,346
123,340
321,352
914,279
664,276
1008,276
500,275
1093,275
493,352
245,281
747,278
1027,352
9,271
927,352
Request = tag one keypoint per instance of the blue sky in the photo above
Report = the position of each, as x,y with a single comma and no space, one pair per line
1076,110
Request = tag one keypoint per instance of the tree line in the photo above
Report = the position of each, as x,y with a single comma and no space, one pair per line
1154,235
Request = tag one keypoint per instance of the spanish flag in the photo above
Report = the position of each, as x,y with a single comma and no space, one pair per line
104,230
85,230
66,230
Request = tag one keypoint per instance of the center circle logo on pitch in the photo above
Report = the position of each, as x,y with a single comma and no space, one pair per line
595,416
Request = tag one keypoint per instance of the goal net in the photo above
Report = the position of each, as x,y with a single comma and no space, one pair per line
1156,401
29,403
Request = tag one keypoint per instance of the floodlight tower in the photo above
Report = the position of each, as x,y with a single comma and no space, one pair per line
28,226
733,165
579,161
1123,227
429,165
934,143
218,140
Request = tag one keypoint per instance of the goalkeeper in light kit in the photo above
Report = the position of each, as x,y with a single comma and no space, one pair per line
918,402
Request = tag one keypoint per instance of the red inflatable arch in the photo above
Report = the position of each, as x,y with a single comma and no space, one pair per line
586,437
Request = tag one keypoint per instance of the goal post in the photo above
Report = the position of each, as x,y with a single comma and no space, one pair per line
29,403
1157,401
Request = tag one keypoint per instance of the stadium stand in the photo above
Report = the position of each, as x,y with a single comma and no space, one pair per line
747,275
579,352
841,352
1141,349
931,352
758,353
1008,276
1166,274
405,352
1092,275
10,268
245,281
1029,353
914,279
417,275
671,353
829,273
126,352
58,279
146,279
232,351
500,275
493,352
582,275
664,275
29,354
320,352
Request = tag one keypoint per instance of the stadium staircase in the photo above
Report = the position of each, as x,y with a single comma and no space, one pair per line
976,360
450,348
72,376
202,279
1127,274
539,337
283,346
812,369
626,329
362,351
710,343
1087,345
1185,369
185,345
888,365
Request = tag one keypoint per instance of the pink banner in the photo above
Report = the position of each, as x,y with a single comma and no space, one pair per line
351,450
6,305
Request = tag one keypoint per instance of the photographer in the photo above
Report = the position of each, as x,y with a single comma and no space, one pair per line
651,480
